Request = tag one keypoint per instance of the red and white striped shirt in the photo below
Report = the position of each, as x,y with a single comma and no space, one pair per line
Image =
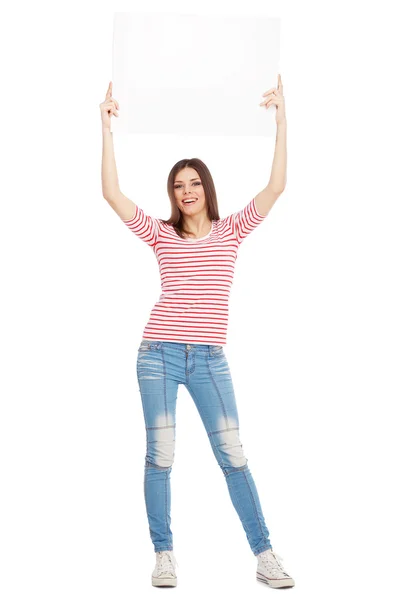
196,276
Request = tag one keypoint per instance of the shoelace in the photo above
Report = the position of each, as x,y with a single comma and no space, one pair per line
275,566
165,560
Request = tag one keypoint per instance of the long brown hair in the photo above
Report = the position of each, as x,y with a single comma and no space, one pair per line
176,218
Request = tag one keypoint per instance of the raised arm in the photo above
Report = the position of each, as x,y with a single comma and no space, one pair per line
268,196
123,206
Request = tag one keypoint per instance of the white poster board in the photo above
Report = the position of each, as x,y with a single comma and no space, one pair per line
194,74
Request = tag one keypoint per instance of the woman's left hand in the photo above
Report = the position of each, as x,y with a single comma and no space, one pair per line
275,96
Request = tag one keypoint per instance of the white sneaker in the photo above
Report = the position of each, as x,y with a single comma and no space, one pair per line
164,571
271,571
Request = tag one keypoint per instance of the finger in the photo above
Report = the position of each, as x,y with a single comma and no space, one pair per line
111,106
270,101
269,91
268,97
109,94
116,102
112,102
275,101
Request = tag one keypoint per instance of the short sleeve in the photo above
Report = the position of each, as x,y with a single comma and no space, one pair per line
244,221
145,227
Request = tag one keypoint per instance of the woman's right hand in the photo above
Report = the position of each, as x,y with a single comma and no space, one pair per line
108,107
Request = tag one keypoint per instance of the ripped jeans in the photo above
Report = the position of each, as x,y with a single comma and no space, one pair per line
204,370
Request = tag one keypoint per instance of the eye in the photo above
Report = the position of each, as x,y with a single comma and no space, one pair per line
180,185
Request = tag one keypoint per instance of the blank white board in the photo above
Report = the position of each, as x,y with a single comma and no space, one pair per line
194,74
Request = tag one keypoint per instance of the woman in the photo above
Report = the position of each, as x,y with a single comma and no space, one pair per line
184,337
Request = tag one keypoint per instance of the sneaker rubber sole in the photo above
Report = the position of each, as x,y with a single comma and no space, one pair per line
275,583
164,581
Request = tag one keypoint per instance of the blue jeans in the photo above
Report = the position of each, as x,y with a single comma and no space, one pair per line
204,370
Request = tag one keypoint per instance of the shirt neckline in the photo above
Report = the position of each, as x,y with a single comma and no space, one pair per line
201,238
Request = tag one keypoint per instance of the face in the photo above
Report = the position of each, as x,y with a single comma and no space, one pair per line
188,185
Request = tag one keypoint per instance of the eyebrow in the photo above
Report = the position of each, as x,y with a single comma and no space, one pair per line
180,180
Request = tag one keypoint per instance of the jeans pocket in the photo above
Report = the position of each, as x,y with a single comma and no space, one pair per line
216,350
147,346
144,347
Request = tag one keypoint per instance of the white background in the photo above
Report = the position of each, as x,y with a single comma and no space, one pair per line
313,340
